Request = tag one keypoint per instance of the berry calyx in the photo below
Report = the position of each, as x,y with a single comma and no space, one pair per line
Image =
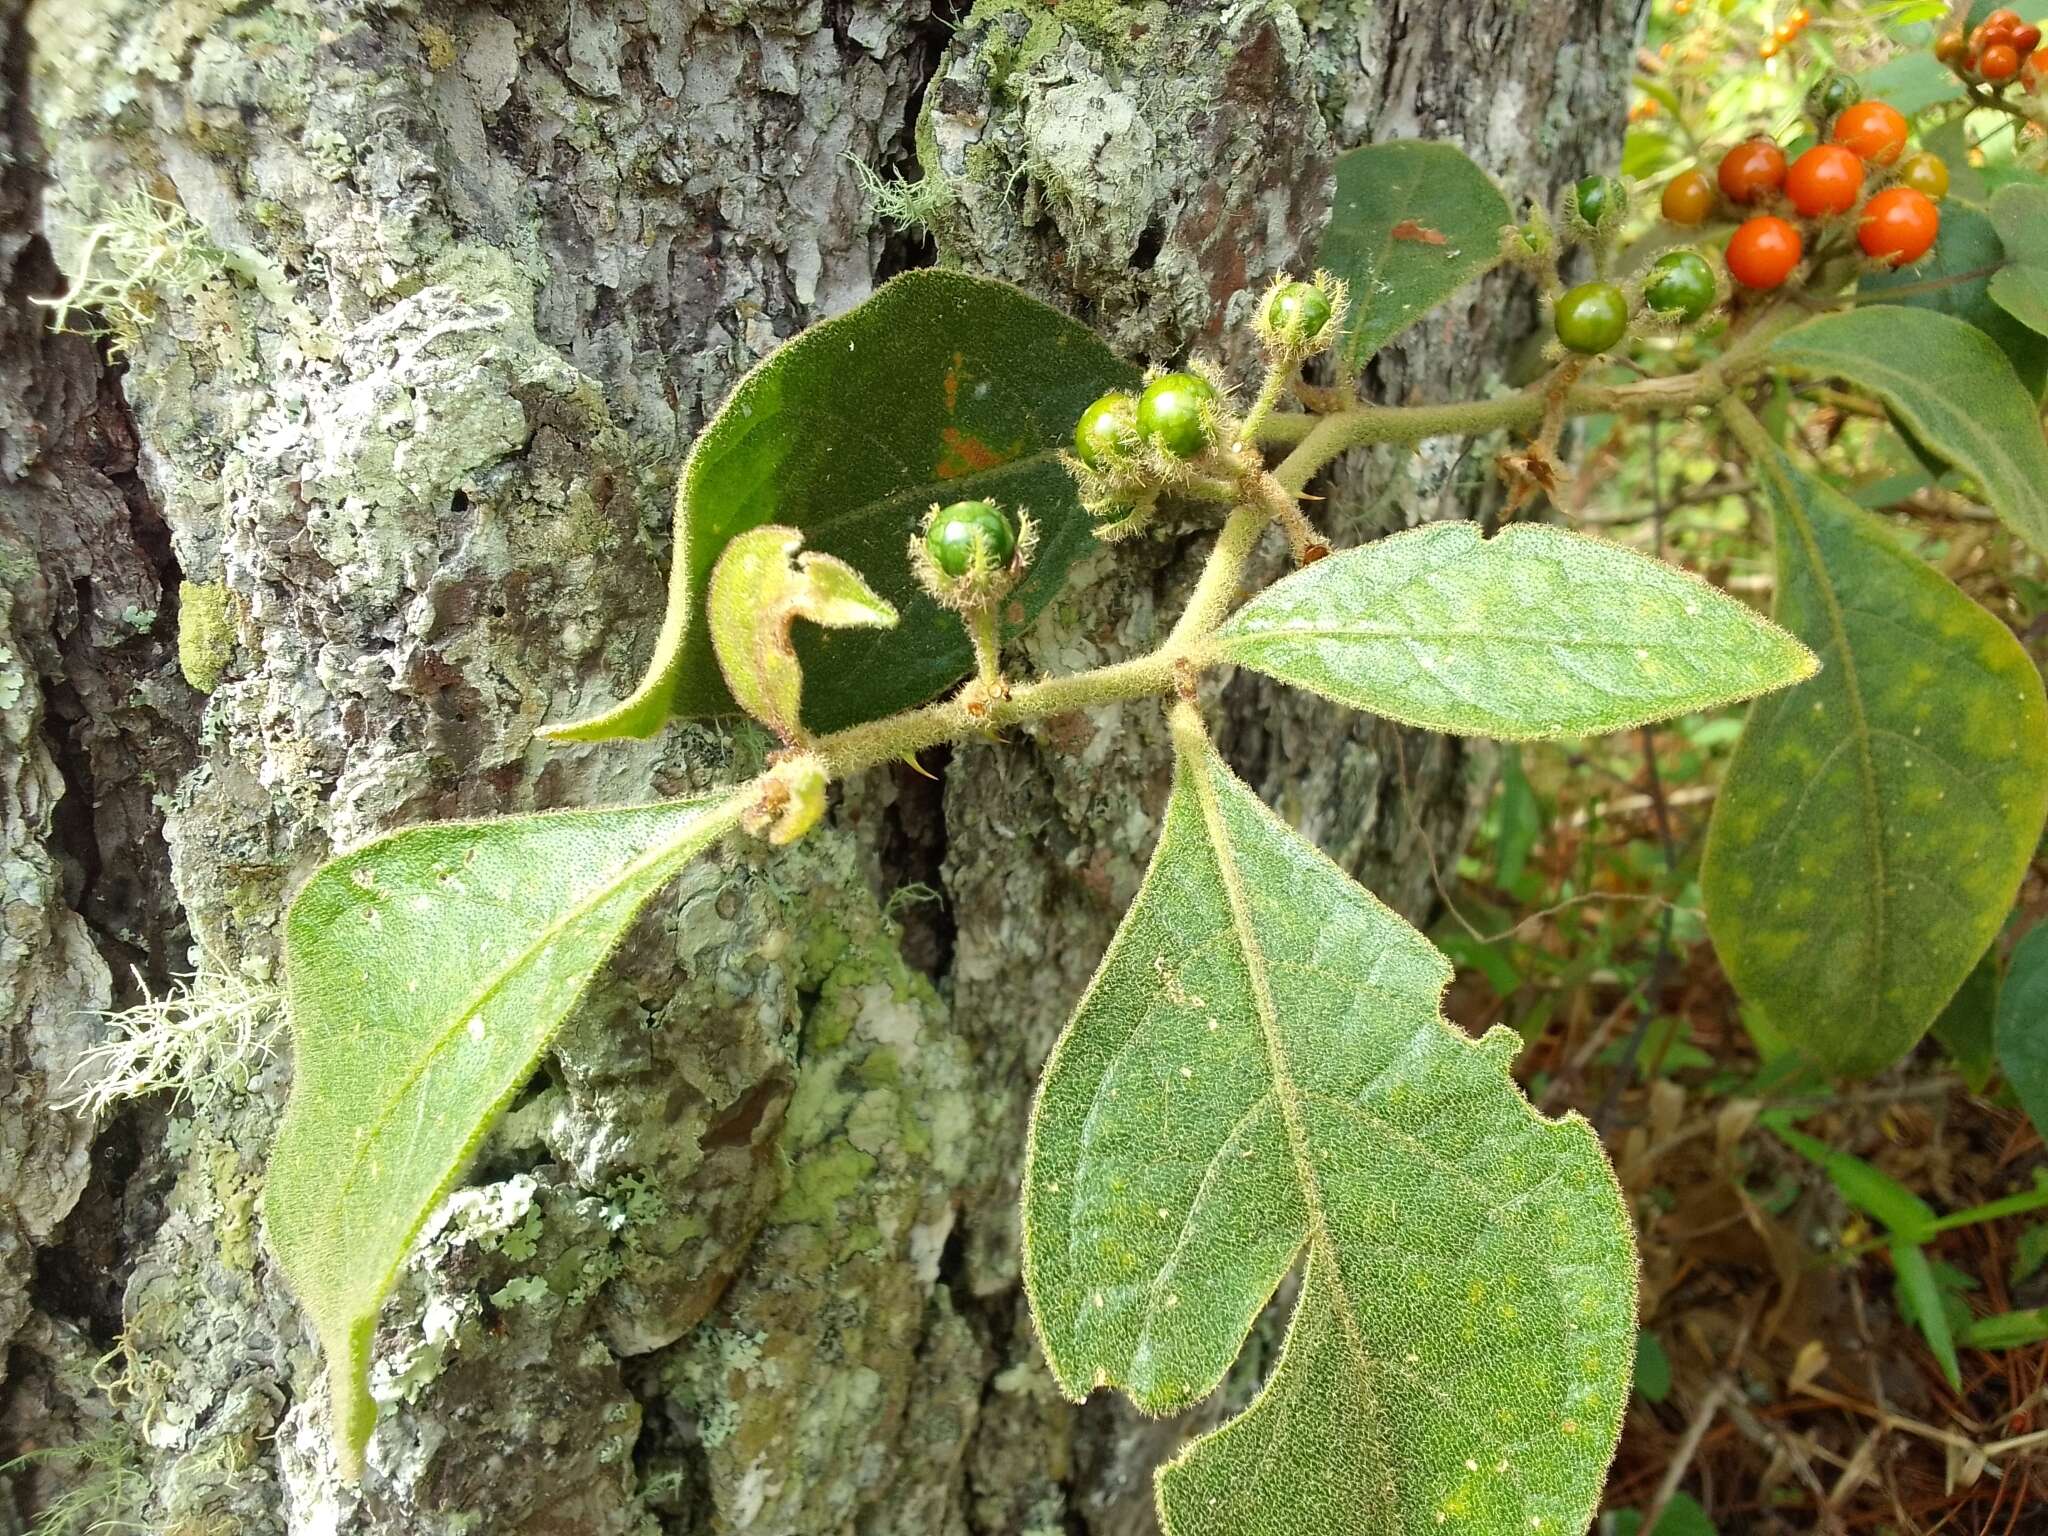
1107,432
1898,226
1680,283
1592,317
970,537
1836,95
1926,174
1824,181
1174,413
1598,200
1297,312
1752,171
1764,252
1873,130
1688,199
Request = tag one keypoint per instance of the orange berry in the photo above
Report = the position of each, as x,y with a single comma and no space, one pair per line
1799,18
2026,39
1898,226
1826,180
1763,252
1872,129
1950,47
1752,171
2000,61
1688,199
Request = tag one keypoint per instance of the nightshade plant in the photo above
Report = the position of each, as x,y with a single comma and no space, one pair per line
1259,1081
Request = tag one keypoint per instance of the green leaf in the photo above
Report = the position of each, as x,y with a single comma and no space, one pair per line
1912,81
2020,211
761,586
1259,1077
1950,387
1966,1024
1521,820
1872,828
1653,1368
1532,633
1965,260
2022,1031
1921,1299
1869,1189
1682,1517
2029,1254
2006,1330
1413,222
425,974
940,387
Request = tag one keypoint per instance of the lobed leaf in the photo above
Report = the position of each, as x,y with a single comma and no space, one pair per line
1950,387
2020,212
1872,828
940,387
425,974
2022,1027
1412,223
759,587
1534,632
1258,1077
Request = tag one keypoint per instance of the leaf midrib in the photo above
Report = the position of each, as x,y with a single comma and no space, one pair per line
1866,760
715,819
1285,1093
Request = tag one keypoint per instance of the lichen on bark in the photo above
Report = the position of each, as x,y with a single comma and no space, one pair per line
742,1258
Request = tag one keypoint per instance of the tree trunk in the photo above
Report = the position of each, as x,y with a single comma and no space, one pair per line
412,308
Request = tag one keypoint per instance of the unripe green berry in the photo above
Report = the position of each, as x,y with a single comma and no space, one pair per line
1107,430
1173,412
1835,95
1680,283
970,536
1592,317
1596,197
1298,312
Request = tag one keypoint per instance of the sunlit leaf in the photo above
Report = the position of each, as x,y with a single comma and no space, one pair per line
940,387
426,972
1873,826
1950,387
1534,632
1412,223
1258,1079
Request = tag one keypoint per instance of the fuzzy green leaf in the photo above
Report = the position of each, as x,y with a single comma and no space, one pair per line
1872,827
1413,222
2022,1028
1259,1077
2021,289
758,588
425,974
1964,262
1534,632
1950,387
940,387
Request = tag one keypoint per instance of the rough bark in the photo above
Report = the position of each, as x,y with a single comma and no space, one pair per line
419,303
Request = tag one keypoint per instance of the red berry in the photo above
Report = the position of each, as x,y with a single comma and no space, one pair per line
2001,61
1763,252
1898,226
1872,129
1826,180
1752,171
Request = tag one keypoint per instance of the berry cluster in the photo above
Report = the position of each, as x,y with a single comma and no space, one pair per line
1787,31
1998,51
1856,175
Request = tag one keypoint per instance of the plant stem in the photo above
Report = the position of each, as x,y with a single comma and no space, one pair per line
981,630
1277,375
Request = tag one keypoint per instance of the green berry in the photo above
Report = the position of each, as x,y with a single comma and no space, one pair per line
1298,312
970,536
1173,413
1836,95
1680,283
1592,317
1595,197
1107,430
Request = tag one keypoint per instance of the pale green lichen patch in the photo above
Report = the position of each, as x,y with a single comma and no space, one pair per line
206,633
